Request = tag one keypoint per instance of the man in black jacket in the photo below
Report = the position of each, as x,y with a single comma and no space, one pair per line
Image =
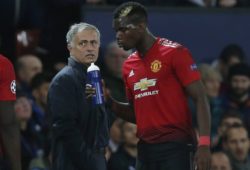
79,129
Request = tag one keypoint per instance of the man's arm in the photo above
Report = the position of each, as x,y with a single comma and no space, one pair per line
10,133
197,92
123,110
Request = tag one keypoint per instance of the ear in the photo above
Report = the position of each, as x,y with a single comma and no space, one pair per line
69,47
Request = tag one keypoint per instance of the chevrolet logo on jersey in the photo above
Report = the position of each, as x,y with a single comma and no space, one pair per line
144,84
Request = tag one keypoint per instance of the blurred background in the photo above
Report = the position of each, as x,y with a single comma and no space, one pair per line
217,32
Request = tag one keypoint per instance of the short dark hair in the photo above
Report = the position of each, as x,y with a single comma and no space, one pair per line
39,79
136,11
231,113
240,69
231,50
234,126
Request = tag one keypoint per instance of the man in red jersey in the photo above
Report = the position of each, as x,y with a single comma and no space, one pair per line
9,128
159,77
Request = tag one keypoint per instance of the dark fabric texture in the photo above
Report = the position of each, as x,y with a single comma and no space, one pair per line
165,156
78,127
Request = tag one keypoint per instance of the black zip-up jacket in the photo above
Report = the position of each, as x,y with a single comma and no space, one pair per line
78,129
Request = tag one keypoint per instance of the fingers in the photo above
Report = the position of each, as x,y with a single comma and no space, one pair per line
103,84
202,158
89,96
89,91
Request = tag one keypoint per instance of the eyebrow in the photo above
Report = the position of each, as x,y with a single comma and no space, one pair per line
132,26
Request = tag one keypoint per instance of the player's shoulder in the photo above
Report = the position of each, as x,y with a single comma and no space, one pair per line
5,62
132,58
6,65
130,61
166,44
171,47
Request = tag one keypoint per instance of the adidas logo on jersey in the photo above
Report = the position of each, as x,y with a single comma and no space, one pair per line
131,73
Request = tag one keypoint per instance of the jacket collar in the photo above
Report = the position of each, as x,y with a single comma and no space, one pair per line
79,66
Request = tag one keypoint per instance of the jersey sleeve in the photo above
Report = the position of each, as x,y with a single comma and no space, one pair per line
184,66
7,80
128,90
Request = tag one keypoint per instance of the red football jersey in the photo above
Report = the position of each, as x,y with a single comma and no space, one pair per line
7,80
155,84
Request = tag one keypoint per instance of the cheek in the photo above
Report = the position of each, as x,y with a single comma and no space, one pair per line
247,84
235,84
96,52
45,92
130,38
18,109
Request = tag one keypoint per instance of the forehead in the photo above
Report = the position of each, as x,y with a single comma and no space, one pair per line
31,60
121,22
237,133
240,78
231,120
86,34
219,159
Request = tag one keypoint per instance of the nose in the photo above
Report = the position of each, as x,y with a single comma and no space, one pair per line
119,35
89,47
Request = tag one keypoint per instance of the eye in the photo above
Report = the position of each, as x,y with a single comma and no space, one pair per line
122,29
83,43
94,43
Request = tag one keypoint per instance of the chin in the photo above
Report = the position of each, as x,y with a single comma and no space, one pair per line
127,48
88,62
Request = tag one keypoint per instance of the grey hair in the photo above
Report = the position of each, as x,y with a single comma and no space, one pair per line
75,28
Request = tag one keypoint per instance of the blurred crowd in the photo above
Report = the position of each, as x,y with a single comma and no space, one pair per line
226,80
32,31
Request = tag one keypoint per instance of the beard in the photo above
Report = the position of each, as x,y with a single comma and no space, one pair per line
239,92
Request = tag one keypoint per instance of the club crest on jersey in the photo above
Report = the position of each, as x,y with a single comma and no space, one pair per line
143,84
13,86
155,66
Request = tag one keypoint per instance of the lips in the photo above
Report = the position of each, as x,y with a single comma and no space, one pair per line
120,43
90,55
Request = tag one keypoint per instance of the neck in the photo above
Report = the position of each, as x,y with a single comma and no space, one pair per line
146,43
132,151
75,59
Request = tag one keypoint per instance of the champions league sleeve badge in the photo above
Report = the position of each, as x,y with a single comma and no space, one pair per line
193,67
13,86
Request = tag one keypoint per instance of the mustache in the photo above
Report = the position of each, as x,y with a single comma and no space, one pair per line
90,55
